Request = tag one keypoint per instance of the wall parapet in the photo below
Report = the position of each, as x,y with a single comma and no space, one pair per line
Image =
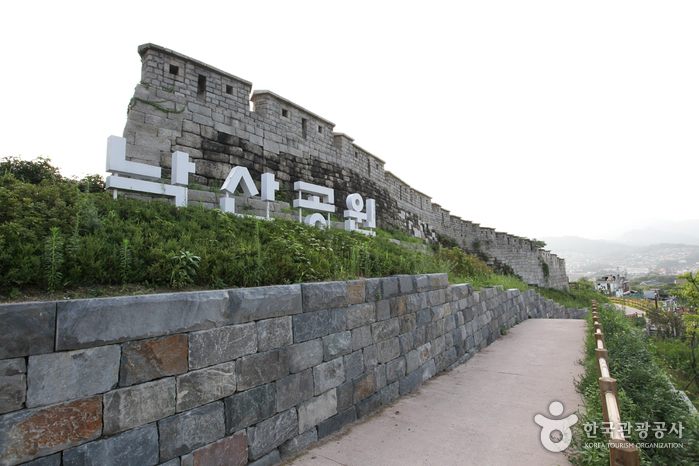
247,374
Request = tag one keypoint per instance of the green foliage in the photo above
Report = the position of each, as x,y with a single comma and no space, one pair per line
644,396
545,269
539,243
185,265
464,266
53,259
30,171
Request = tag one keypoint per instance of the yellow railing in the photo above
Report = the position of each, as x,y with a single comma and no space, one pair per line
635,303
621,451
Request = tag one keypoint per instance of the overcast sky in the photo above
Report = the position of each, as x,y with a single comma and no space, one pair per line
538,118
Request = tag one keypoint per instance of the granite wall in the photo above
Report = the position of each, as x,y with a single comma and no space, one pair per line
182,104
240,376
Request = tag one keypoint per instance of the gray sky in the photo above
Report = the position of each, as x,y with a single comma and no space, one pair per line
538,118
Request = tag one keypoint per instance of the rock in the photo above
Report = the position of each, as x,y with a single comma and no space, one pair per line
360,314
328,375
328,295
337,344
222,344
27,329
184,432
337,422
261,368
229,451
146,360
305,355
274,333
200,387
316,410
298,443
251,304
269,434
250,407
53,378
138,405
294,389
137,446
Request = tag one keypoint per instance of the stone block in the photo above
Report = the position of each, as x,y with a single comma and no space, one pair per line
27,329
200,387
31,433
405,284
345,395
406,343
354,365
368,406
265,302
135,406
305,355
316,410
421,283
416,302
383,309
412,361
380,374
390,393
328,295
360,314
328,375
398,306
361,337
145,360
311,325
408,323
13,392
261,368
395,370
222,344
388,350
438,280
270,459
85,323
356,292
336,422
372,289
10,367
137,446
274,333
371,357
249,407
337,344
298,443
57,377
410,382
269,434
389,287
229,451
364,386
294,389
184,432
385,330
53,460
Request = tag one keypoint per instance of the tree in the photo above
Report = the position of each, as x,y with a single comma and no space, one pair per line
690,291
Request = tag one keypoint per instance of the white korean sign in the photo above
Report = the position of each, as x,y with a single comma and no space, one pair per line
317,198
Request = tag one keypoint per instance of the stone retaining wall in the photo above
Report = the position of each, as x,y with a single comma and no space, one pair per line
236,376
182,104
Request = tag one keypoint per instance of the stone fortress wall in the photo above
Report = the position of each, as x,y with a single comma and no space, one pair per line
185,105
247,375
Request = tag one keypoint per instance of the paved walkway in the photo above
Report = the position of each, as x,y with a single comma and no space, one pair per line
481,413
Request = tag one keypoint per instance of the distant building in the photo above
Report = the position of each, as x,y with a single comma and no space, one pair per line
612,285
651,283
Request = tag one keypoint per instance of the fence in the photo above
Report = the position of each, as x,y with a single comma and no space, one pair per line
621,451
635,303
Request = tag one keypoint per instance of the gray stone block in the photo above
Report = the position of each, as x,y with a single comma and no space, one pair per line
388,350
386,329
222,344
249,407
270,459
398,306
337,422
389,287
380,375
10,367
85,323
294,389
27,329
337,344
383,309
138,405
311,325
390,393
373,289
438,280
138,446
13,392
360,314
274,333
406,343
371,357
200,387
299,442
328,295
421,283
250,304
361,337
57,377
316,410
368,406
53,460
328,375
354,365
416,302
184,432
305,355
405,284
345,395
395,370
269,434
261,368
